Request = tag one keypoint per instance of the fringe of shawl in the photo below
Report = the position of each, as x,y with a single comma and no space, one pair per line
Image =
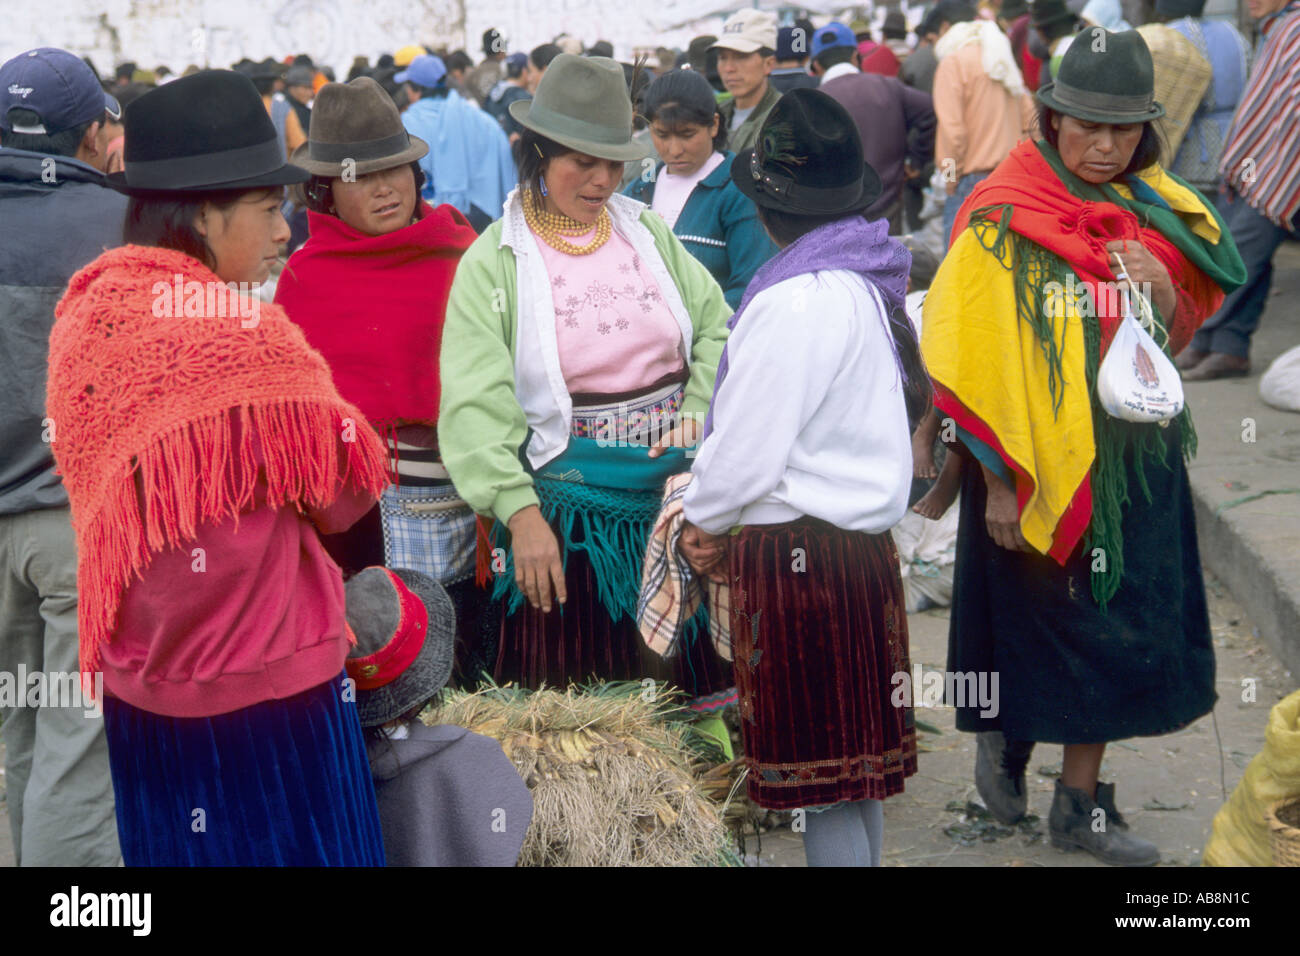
194,475
1034,267
615,527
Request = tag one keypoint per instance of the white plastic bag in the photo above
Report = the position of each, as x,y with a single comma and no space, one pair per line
1136,381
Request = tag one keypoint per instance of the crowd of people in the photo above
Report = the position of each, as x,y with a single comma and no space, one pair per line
553,368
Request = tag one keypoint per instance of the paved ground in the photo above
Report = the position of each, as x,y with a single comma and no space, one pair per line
1248,491
1168,788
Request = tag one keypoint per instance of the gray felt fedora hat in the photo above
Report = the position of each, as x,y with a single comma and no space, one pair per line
356,121
1105,78
582,102
406,639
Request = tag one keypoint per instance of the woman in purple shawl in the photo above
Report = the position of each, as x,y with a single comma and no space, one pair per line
807,461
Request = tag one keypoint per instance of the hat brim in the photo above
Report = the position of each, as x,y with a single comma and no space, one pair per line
739,44
1046,96
632,150
430,670
752,188
286,175
301,159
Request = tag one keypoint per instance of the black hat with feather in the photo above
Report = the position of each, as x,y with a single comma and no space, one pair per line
808,159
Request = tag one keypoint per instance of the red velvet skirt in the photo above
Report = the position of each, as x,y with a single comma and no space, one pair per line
818,630
579,641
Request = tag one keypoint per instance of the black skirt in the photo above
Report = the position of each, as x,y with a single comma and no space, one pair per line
1067,672
580,641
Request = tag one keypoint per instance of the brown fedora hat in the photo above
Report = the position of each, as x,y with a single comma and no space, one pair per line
356,122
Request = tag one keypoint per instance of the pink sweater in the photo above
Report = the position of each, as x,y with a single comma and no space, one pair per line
613,329
239,615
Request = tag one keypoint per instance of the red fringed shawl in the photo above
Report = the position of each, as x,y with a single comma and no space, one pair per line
142,397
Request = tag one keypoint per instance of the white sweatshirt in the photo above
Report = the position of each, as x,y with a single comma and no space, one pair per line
810,419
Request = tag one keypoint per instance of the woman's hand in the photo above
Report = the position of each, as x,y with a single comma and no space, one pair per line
686,434
1002,514
1145,269
538,567
704,552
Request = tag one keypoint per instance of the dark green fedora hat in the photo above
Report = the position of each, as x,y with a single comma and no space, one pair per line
582,102
1105,78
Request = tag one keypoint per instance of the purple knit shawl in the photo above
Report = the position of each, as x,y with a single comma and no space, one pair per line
854,244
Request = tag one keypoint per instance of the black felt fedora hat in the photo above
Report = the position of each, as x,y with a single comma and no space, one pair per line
204,132
1044,13
1105,78
808,159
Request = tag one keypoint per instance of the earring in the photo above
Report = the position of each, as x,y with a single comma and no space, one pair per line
542,180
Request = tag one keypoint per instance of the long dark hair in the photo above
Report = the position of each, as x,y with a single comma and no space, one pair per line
534,152
682,98
785,228
1146,154
167,220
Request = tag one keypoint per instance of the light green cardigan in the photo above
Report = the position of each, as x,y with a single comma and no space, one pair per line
481,426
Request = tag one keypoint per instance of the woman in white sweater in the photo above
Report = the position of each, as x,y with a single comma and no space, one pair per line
807,454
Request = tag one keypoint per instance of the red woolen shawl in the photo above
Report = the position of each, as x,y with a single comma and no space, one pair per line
142,409
374,306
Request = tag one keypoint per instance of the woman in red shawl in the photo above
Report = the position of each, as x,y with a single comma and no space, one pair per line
1078,582
369,289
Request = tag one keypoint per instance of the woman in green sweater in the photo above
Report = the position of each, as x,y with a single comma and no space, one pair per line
692,189
579,351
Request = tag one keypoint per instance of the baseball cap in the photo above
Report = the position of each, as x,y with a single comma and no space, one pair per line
748,31
831,35
57,86
407,54
427,70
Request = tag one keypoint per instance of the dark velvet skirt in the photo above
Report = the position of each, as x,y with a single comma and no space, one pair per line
818,631
579,641
1068,673
282,783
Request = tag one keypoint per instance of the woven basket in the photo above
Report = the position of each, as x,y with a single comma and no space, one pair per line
1284,829
1182,76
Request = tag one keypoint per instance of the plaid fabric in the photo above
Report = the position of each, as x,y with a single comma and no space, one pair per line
1182,77
670,591
430,530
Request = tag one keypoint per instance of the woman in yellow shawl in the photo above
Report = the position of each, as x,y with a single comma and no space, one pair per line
1078,581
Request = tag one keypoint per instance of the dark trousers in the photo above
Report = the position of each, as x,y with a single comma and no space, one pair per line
1229,329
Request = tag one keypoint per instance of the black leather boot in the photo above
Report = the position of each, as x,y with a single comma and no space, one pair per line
1077,822
1000,775
1106,800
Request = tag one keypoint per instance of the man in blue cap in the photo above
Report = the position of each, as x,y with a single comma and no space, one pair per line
791,70
59,215
468,163
896,123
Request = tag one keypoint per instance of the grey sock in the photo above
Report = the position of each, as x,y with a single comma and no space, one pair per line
836,836
873,818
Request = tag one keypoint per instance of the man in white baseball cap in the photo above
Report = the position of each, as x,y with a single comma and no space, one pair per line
746,55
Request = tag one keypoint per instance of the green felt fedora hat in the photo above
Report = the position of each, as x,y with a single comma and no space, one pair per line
582,102
1105,78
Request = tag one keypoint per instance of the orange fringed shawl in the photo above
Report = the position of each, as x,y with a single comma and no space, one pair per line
142,399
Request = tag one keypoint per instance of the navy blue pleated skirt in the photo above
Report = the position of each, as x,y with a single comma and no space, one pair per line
281,783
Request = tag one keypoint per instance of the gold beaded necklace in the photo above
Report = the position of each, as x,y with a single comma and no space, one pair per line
553,227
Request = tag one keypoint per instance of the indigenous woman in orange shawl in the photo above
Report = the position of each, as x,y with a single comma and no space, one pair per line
205,448
1078,582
